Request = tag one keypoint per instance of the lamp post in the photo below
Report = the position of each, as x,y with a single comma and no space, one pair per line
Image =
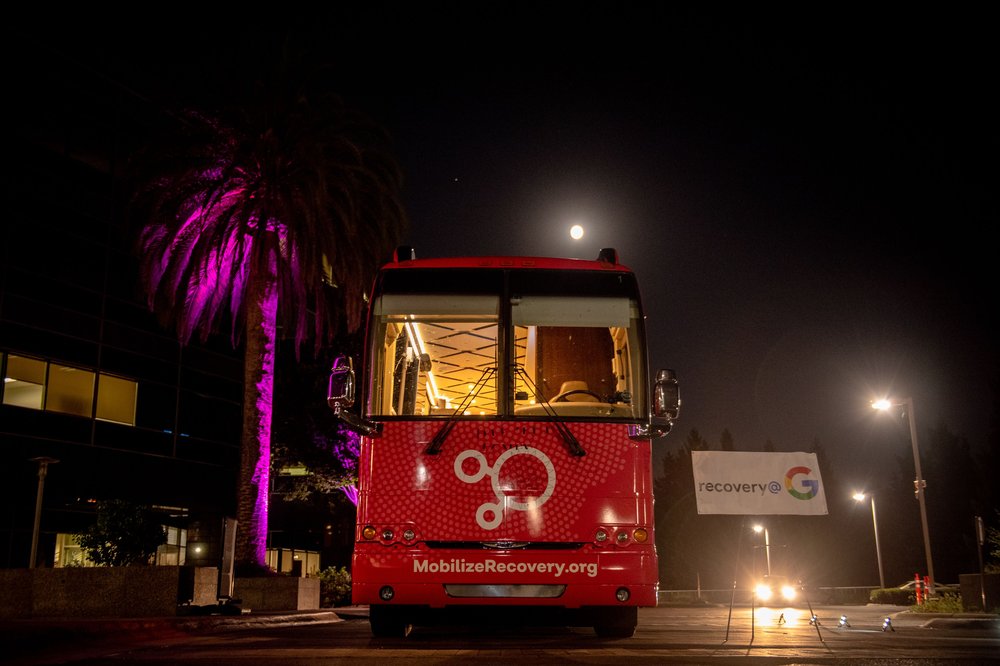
860,497
43,469
767,545
919,484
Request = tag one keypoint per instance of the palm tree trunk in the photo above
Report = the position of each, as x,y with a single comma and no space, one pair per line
255,445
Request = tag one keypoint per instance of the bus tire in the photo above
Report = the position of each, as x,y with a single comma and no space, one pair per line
389,622
617,622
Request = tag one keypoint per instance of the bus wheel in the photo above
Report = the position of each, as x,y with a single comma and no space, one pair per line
388,621
617,622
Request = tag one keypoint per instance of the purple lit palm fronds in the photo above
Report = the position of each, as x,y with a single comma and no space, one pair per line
316,174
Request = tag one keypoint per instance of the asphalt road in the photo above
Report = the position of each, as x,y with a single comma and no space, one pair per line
701,635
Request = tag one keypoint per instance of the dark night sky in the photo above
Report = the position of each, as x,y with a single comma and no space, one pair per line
804,194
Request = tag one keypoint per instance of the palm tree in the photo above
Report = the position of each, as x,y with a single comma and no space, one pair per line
270,214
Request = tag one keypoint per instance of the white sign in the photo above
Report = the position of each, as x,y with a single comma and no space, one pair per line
740,483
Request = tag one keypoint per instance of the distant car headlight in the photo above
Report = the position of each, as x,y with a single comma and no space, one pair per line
763,591
788,592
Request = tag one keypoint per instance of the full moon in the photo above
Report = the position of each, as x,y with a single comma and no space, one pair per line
576,232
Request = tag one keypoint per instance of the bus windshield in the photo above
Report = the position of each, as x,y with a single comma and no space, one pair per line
574,357
523,355
435,354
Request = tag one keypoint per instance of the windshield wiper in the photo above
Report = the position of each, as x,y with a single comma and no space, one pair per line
572,443
442,434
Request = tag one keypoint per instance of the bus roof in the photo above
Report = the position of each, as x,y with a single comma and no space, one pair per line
607,260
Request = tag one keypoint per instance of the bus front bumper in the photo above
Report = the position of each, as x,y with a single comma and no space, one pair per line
445,577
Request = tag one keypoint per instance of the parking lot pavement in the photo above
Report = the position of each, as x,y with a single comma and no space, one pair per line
19,637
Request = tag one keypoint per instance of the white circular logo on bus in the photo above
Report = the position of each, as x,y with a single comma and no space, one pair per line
496,508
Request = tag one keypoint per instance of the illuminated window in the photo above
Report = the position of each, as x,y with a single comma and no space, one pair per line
24,382
70,390
116,399
174,551
294,562
69,553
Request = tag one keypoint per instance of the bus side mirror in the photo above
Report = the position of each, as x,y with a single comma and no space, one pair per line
666,395
340,395
666,407
340,392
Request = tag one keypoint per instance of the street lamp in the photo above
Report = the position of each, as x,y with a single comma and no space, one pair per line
43,468
860,497
919,484
767,545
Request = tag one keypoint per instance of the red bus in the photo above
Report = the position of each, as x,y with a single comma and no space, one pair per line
506,418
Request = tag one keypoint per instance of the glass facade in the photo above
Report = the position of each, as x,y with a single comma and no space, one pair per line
91,378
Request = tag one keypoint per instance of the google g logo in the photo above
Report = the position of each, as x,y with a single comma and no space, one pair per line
811,485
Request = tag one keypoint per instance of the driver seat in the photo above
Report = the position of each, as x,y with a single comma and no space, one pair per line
574,385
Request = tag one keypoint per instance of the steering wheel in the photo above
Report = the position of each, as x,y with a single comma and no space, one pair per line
562,397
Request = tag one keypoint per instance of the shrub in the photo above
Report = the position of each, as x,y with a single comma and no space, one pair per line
945,603
124,534
893,596
334,586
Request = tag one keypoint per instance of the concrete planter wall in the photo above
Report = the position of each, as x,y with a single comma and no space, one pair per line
277,593
104,591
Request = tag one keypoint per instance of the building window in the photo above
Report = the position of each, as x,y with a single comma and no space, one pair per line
299,563
69,553
174,551
24,382
36,384
70,390
116,399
